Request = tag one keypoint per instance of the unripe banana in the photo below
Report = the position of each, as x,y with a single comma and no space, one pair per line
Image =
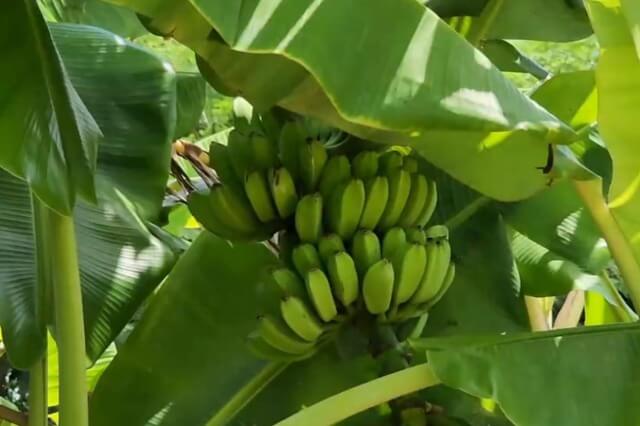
344,277
409,267
394,240
313,156
389,162
376,197
410,164
301,319
233,209
283,191
377,287
437,232
264,152
305,257
287,282
203,212
277,333
429,205
221,163
365,165
257,345
329,245
346,208
319,291
438,258
335,172
417,236
239,147
257,189
309,218
415,202
365,250
399,189
448,280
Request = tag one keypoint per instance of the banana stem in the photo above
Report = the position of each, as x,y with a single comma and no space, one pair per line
469,210
483,23
621,307
38,393
67,298
591,193
360,398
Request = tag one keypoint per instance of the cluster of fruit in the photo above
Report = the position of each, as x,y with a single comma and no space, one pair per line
351,228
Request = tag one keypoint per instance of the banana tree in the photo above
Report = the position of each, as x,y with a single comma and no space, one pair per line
380,237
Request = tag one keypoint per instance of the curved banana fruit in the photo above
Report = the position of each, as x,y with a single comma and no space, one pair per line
301,319
366,250
257,189
221,163
264,152
287,282
390,161
376,197
305,257
240,154
438,258
346,208
277,333
394,240
409,267
415,202
416,236
377,287
365,165
343,277
200,208
335,172
448,280
329,245
319,291
283,191
437,232
308,219
261,349
399,189
429,205
313,156
233,209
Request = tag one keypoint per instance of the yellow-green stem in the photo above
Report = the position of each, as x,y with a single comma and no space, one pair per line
620,307
69,320
38,393
591,193
483,23
360,398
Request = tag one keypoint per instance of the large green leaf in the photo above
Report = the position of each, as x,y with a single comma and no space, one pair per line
565,372
50,138
429,88
190,103
618,82
551,20
120,261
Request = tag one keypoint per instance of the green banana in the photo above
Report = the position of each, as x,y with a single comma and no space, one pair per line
283,191
409,267
313,157
301,319
399,189
438,258
376,197
415,202
410,164
365,249
277,333
308,219
335,172
448,280
200,207
343,277
257,189
394,240
429,205
365,165
437,232
221,162
377,287
257,345
264,152
346,208
240,153
305,257
287,282
416,236
233,209
389,162
329,245
319,291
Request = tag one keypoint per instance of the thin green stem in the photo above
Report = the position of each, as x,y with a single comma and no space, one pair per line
360,398
67,298
483,23
591,193
469,210
620,307
38,393
247,393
